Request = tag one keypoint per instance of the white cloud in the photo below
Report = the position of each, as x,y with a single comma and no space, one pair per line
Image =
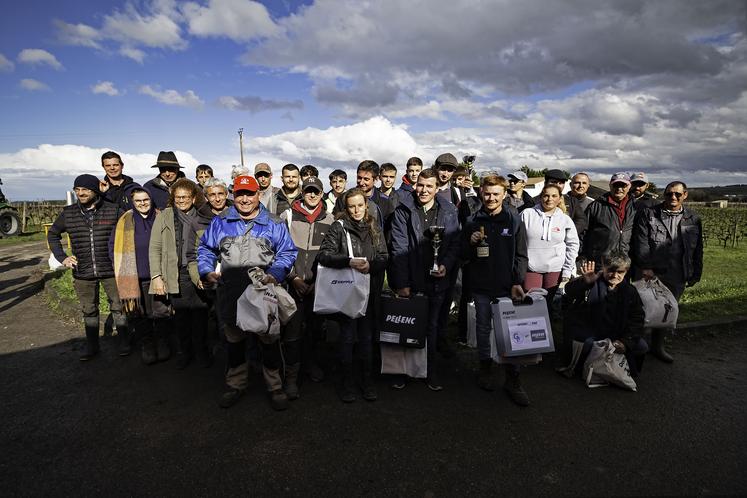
173,97
33,85
5,64
156,30
133,53
37,56
77,34
153,24
54,168
105,87
376,138
239,20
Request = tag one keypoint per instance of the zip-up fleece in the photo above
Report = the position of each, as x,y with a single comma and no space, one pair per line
552,241
307,238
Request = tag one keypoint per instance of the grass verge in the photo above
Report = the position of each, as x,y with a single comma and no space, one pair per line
722,290
64,293
30,235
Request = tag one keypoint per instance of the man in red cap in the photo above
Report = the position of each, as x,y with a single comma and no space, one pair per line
244,237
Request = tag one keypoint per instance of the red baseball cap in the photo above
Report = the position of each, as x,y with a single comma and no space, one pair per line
245,183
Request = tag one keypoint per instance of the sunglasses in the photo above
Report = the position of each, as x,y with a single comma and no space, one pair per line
515,180
678,195
619,185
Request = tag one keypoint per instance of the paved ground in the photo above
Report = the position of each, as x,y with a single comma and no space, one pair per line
116,427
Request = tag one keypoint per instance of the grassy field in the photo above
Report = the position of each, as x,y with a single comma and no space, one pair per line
63,287
30,235
723,289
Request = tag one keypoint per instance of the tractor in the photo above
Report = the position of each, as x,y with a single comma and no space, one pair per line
10,221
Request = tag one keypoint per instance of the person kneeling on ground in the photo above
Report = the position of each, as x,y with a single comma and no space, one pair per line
603,305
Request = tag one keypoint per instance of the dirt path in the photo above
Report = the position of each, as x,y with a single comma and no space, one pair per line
115,427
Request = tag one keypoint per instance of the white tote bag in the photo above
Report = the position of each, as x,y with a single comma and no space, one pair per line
659,304
396,359
341,290
604,366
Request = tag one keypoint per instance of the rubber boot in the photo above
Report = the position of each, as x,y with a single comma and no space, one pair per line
124,338
485,377
291,381
92,338
657,346
367,384
149,354
184,344
161,331
347,388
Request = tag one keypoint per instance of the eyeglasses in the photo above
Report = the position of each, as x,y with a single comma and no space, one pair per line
141,201
182,197
676,194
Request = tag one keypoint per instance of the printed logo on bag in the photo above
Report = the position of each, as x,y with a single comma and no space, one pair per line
555,229
518,339
270,297
538,335
508,312
405,320
335,282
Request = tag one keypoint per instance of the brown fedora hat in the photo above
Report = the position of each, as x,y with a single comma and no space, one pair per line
166,159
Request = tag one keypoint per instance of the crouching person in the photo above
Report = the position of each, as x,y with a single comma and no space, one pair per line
244,237
494,243
603,305
309,222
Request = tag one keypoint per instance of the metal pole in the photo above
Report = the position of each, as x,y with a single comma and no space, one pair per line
23,219
241,144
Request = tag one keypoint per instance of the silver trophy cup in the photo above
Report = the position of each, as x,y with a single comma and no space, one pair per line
437,236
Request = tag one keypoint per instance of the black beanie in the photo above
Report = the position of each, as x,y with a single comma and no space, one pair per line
87,181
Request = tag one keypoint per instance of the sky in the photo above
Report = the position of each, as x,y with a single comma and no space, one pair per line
599,86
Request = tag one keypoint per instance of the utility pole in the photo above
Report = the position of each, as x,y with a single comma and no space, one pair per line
241,144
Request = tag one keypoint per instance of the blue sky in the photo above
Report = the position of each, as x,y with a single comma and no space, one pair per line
583,86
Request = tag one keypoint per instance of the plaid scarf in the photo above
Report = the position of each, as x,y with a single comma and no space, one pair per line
125,263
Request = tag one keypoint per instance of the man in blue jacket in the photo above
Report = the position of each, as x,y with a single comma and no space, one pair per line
412,254
246,236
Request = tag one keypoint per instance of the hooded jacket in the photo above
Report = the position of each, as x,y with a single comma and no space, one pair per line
89,234
552,241
406,237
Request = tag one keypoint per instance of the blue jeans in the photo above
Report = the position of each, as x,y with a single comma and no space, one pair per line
484,326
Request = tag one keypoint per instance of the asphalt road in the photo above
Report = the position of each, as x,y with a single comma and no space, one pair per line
115,427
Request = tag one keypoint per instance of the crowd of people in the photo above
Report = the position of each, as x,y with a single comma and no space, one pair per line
173,257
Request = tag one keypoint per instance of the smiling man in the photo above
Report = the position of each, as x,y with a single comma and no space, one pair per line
112,186
168,172
89,224
290,190
244,237
411,250
610,221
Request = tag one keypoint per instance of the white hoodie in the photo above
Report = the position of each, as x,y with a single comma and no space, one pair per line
552,241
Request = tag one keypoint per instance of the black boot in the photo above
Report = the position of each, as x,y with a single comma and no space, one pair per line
124,337
657,345
347,386
92,338
367,384
161,330
485,378
184,344
149,354
513,387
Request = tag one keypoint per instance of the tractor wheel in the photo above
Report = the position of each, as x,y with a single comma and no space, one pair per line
10,223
